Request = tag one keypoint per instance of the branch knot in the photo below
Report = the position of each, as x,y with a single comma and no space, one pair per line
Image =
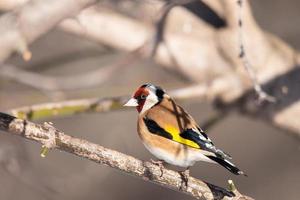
50,142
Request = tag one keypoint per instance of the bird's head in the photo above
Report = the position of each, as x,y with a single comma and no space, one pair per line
145,97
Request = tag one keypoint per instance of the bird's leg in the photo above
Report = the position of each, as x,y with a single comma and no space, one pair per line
185,177
160,164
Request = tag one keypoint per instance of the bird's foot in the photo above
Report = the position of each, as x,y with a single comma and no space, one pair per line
185,178
160,164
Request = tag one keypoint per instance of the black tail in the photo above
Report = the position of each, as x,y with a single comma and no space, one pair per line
228,165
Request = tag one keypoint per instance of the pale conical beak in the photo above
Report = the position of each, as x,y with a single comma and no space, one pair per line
131,103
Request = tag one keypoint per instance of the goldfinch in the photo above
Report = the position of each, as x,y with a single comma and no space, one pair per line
171,134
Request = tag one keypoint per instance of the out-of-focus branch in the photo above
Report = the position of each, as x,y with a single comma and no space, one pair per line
102,25
125,163
67,108
72,82
72,107
262,95
24,25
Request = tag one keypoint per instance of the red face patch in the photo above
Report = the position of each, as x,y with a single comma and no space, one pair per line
140,95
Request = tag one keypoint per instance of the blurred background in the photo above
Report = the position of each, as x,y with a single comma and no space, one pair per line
268,155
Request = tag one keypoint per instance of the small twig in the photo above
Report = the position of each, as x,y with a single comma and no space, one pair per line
82,148
232,187
234,190
158,35
262,95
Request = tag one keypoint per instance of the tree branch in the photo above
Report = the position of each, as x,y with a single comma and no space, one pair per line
128,164
67,108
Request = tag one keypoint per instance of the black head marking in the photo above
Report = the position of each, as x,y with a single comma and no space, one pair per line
145,85
159,92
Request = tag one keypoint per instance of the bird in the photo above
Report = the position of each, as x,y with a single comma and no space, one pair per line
171,134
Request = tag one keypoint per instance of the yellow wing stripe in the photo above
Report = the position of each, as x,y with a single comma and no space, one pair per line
177,138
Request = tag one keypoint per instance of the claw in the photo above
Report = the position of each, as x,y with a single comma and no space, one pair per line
160,164
185,177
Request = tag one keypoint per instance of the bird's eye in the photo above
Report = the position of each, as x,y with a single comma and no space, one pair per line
143,96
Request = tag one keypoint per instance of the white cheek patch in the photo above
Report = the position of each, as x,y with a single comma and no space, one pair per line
151,100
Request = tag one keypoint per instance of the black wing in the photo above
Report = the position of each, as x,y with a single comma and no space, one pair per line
154,128
197,136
